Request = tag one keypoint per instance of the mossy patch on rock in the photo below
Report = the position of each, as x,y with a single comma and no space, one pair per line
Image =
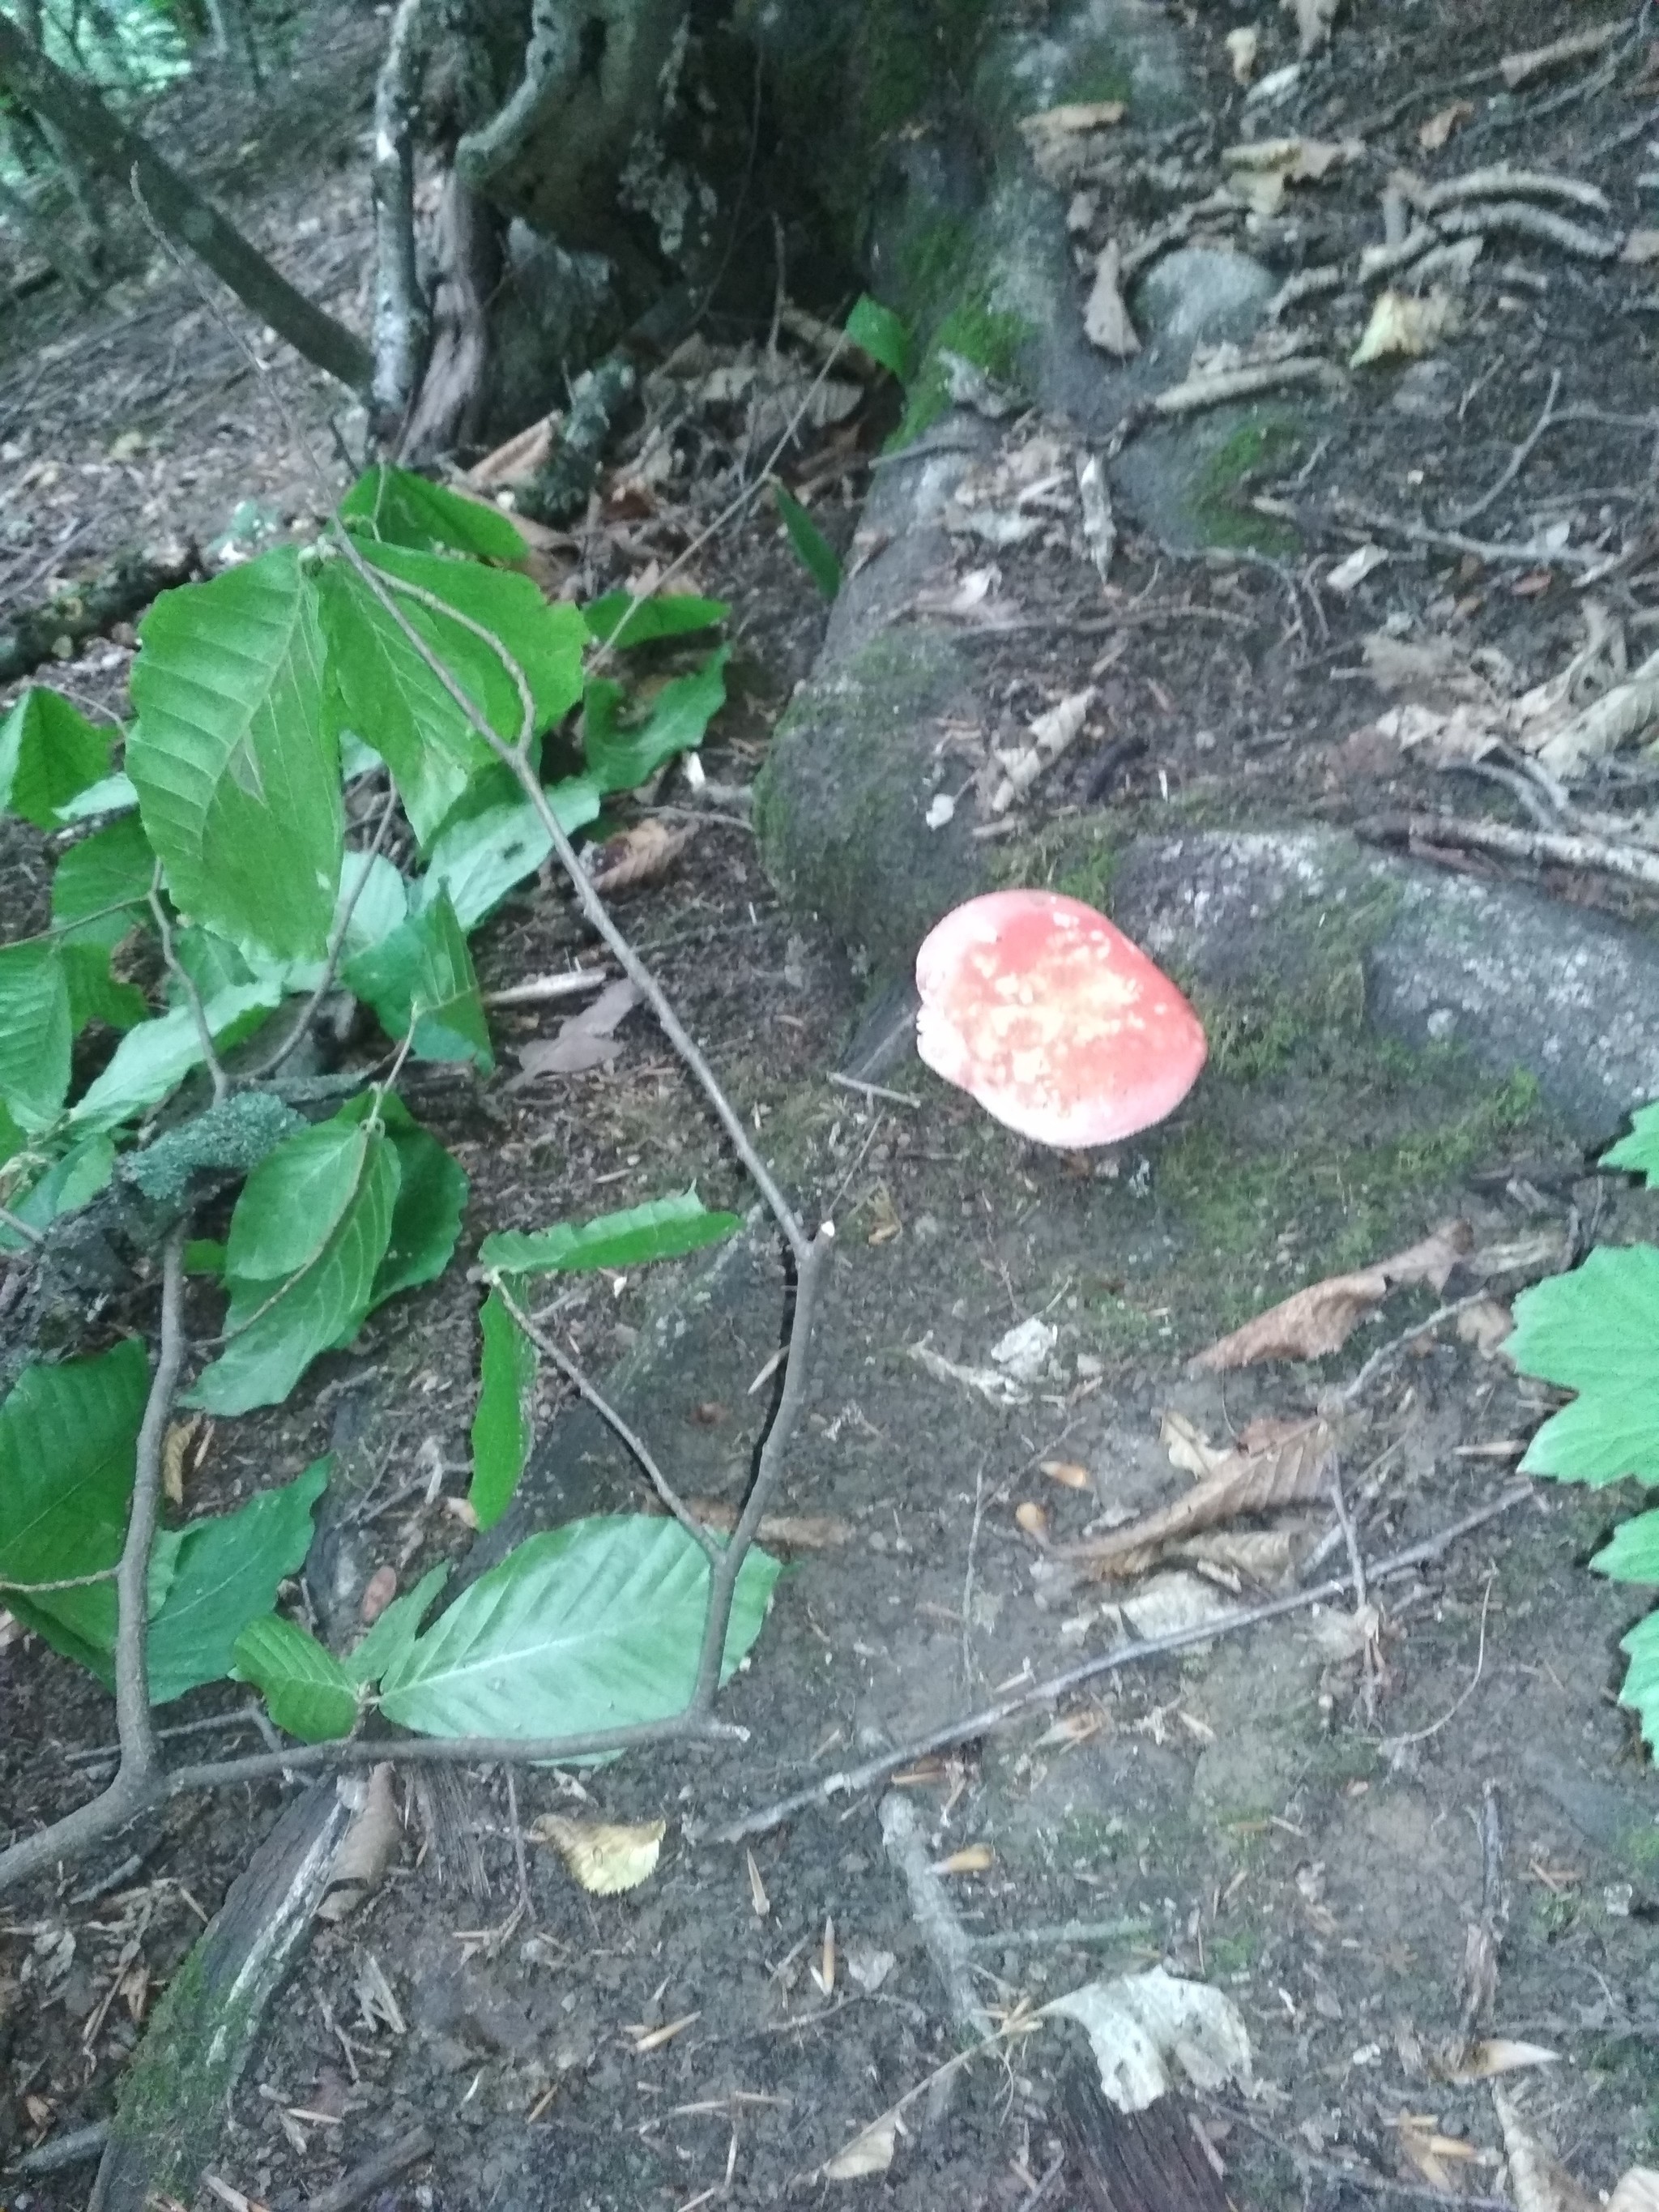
839,806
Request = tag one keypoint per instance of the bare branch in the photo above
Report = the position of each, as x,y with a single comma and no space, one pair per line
19,1228
809,1283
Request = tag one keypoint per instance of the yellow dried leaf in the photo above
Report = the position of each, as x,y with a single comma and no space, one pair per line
1319,1320
1278,1463
870,2152
1403,325
605,1858
1433,135
1067,1472
972,1858
654,2039
1033,1519
759,1901
1501,2054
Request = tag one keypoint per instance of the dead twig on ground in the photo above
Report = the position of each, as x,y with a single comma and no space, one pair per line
852,1780
1499,553
1517,460
1556,848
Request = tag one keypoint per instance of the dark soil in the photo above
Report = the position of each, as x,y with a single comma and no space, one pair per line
1263,1815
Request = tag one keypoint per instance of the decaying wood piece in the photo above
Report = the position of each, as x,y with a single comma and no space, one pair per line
171,2104
124,588
1150,2162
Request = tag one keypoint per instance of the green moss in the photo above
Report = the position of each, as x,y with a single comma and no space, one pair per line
1095,71
1261,446
992,338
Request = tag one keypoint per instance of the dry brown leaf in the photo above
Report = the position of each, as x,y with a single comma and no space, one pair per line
1067,1473
1486,1324
1033,1519
1058,137
760,1903
585,1040
1345,1635
1106,321
654,2039
378,1593
1433,135
870,2152
183,1454
1501,2054
1404,324
366,1849
644,851
604,1857
1242,46
1319,1320
1263,1556
516,461
972,1858
1285,1470
1314,19
1426,2149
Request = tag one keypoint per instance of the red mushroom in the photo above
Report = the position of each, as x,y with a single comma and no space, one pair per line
1035,1006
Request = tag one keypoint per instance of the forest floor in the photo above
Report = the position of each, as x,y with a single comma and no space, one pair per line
1293,1812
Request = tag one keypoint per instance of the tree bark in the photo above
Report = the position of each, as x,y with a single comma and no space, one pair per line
402,328
108,146
454,390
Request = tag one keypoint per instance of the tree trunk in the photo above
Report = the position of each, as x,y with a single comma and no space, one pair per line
104,143
454,390
402,325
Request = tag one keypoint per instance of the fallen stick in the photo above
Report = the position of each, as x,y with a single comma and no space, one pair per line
1525,221
851,1780
1546,847
374,2173
1499,552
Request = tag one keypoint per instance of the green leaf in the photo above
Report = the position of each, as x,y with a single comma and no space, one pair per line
35,1032
1595,1331
620,759
392,1634
813,550
100,887
49,754
478,858
384,689
662,1229
670,615
276,1327
380,907
100,895
1640,1694
237,768
422,976
157,1055
881,334
432,1190
204,1256
227,1575
307,1691
68,1438
503,1428
292,1204
1632,1556
400,508
1638,1153
64,1187
594,1626
111,794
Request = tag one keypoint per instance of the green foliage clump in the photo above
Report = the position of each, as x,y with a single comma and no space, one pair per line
1595,1332
221,843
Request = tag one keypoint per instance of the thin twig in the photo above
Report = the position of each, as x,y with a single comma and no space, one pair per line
18,1228
1500,553
1517,460
62,1582
968,1729
1393,1743
631,1440
1544,847
175,967
768,1467
873,1090
1384,1353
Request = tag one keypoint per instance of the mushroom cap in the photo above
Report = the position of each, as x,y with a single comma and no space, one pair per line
1039,1008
